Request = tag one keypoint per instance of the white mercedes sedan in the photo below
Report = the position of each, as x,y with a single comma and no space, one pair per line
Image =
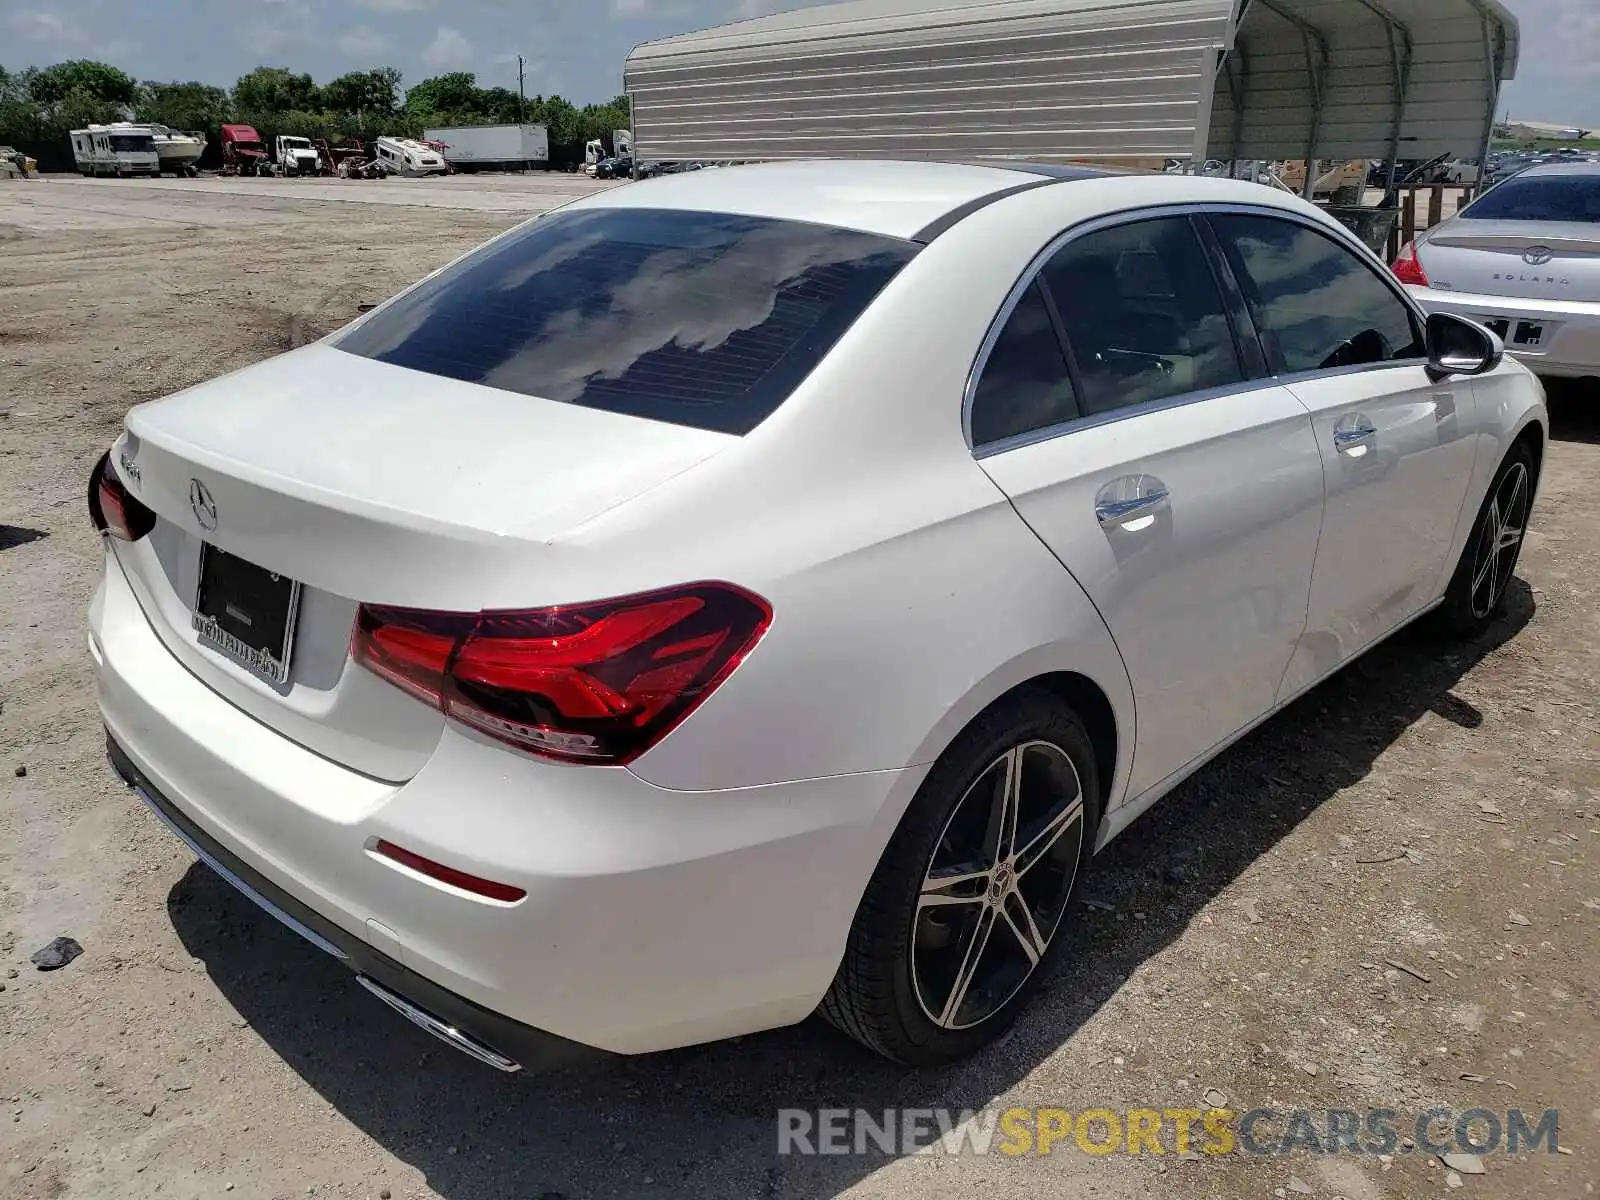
1524,261
762,590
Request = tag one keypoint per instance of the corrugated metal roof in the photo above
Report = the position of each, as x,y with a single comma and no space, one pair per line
1063,79
1450,55
921,79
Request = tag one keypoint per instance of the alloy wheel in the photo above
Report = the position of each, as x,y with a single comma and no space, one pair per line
1499,540
997,885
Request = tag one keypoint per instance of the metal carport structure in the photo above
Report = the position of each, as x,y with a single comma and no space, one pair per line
1080,79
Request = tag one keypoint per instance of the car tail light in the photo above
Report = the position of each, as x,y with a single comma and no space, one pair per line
112,509
1408,267
590,683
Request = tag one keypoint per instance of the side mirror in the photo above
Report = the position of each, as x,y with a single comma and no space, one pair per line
1457,346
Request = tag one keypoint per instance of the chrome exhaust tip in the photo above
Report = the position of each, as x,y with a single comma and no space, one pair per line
440,1029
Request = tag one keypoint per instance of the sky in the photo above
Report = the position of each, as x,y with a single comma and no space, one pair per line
572,47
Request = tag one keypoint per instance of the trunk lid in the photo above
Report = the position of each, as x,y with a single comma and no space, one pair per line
373,483
1542,260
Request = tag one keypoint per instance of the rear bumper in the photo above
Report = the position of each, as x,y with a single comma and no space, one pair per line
652,918
487,1036
1550,337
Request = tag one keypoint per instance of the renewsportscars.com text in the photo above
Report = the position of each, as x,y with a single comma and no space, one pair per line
1211,1131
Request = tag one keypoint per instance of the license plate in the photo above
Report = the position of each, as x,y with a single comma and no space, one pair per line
246,613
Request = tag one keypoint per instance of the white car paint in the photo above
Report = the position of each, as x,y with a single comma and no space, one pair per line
706,888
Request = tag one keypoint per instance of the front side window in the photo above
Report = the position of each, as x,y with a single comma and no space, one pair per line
708,320
1025,384
1143,316
1317,305
1539,198
132,142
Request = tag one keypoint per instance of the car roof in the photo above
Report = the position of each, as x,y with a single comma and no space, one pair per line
894,199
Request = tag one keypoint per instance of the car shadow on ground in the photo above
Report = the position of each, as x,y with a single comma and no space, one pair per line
703,1121
17,535
1574,410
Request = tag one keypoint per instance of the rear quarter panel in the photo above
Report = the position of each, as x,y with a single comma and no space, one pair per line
878,657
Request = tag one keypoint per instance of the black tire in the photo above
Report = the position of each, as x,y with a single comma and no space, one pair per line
897,947
1474,600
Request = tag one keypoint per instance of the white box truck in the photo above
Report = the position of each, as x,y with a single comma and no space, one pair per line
493,147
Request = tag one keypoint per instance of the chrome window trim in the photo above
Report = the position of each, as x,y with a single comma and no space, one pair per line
1339,234
1072,233
1018,440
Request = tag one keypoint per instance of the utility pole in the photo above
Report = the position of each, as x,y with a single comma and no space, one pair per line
522,99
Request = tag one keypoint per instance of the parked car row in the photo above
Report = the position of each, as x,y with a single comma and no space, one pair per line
1504,165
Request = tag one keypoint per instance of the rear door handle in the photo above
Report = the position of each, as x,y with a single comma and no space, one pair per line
1131,502
1353,435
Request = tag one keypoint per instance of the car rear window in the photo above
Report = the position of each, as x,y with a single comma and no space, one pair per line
1539,198
702,319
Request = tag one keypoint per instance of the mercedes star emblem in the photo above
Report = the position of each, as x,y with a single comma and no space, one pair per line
205,508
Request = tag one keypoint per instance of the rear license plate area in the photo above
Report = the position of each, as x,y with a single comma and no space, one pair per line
1529,333
1499,326
246,613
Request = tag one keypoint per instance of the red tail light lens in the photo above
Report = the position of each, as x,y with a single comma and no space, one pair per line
112,509
595,683
1408,267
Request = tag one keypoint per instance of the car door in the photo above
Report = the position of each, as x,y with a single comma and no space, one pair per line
1130,424
1395,444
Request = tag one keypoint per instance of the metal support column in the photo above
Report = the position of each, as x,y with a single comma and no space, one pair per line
1317,56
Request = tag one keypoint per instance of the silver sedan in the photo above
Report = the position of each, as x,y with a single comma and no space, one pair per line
1524,260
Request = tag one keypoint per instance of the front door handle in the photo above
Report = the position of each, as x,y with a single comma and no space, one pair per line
1354,435
1131,502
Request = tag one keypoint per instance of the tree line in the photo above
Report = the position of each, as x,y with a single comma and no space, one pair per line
40,105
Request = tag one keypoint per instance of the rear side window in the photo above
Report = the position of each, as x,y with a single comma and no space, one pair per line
702,319
1142,313
1317,305
1025,384
1540,198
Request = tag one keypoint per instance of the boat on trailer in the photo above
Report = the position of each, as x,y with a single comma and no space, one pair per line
178,151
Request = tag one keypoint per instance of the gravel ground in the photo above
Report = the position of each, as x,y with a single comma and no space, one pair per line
1435,806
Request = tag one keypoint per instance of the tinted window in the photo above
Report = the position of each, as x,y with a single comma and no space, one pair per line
1024,385
1540,198
1142,313
699,319
1316,304
132,141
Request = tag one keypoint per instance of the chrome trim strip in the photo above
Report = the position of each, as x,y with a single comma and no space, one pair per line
267,906
440,1029
1330,228
1095,420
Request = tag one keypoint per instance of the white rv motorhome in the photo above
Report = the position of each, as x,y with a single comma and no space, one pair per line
406,156
120,149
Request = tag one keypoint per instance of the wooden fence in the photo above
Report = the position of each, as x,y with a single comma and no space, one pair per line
1422,207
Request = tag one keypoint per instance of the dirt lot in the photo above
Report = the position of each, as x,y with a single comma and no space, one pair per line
1435,806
